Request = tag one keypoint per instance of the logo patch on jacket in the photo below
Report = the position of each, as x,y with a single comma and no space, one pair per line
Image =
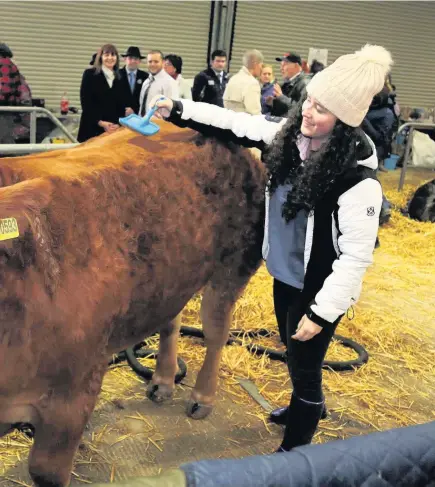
370,211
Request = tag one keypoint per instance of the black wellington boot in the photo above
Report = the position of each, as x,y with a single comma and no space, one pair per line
302,420
279,416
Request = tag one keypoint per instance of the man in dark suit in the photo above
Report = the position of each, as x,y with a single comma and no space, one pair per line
132,79
209,85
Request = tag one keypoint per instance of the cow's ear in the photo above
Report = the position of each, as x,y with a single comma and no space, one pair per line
25,238
19,203
17,247
29,246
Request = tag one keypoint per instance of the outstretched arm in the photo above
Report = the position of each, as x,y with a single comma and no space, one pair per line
241,128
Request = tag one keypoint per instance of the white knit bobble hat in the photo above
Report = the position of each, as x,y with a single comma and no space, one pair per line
346,88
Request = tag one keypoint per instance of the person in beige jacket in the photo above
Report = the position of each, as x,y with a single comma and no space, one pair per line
243,92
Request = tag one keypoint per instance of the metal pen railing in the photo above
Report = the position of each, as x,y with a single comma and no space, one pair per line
33,147
412,126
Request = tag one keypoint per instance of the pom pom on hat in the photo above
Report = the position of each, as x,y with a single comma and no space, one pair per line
346,88
377,55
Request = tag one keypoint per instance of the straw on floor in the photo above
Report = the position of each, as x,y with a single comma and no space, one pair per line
394,320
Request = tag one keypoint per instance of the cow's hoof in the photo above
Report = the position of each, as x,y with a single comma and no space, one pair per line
197,410
159,393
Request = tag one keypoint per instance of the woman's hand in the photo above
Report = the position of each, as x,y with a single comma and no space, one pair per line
165,106
128,111
108,126
306,330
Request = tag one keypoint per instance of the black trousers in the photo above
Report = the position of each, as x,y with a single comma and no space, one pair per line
304,359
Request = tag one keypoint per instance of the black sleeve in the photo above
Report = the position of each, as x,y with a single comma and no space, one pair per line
85,94
224,135
198,85
88,98
370,130
281,105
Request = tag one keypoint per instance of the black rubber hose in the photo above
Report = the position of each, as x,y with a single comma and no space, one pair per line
362,358
132,354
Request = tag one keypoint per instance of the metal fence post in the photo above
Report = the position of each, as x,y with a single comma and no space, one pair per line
33,127
33,111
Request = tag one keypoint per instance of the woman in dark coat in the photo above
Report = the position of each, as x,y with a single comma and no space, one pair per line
101,95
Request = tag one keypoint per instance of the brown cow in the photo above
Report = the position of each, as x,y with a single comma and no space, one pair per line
115,236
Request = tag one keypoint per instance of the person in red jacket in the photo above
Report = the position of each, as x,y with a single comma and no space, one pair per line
14,91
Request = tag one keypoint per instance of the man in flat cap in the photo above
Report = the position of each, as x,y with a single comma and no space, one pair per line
292,89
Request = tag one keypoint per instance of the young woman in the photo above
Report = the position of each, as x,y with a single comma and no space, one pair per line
322,212
267,81
101,95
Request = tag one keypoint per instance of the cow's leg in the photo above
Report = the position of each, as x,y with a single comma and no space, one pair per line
216,310
161,387
220,295
217,304
58,434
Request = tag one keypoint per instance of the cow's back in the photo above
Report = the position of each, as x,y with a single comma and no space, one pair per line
103,151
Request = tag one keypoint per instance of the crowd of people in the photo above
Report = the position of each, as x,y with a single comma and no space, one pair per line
109,91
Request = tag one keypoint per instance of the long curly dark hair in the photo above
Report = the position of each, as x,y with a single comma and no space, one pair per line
319,172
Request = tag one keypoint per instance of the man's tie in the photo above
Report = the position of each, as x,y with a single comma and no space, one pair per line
132,80
143,108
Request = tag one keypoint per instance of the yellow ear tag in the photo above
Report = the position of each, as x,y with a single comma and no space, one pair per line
8,228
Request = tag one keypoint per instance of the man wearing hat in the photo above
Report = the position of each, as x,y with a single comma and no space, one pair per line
293,87
132,79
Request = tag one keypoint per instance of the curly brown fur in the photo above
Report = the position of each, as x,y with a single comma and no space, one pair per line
154,212
318,173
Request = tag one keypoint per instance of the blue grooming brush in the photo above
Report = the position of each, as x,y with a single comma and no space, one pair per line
141,125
